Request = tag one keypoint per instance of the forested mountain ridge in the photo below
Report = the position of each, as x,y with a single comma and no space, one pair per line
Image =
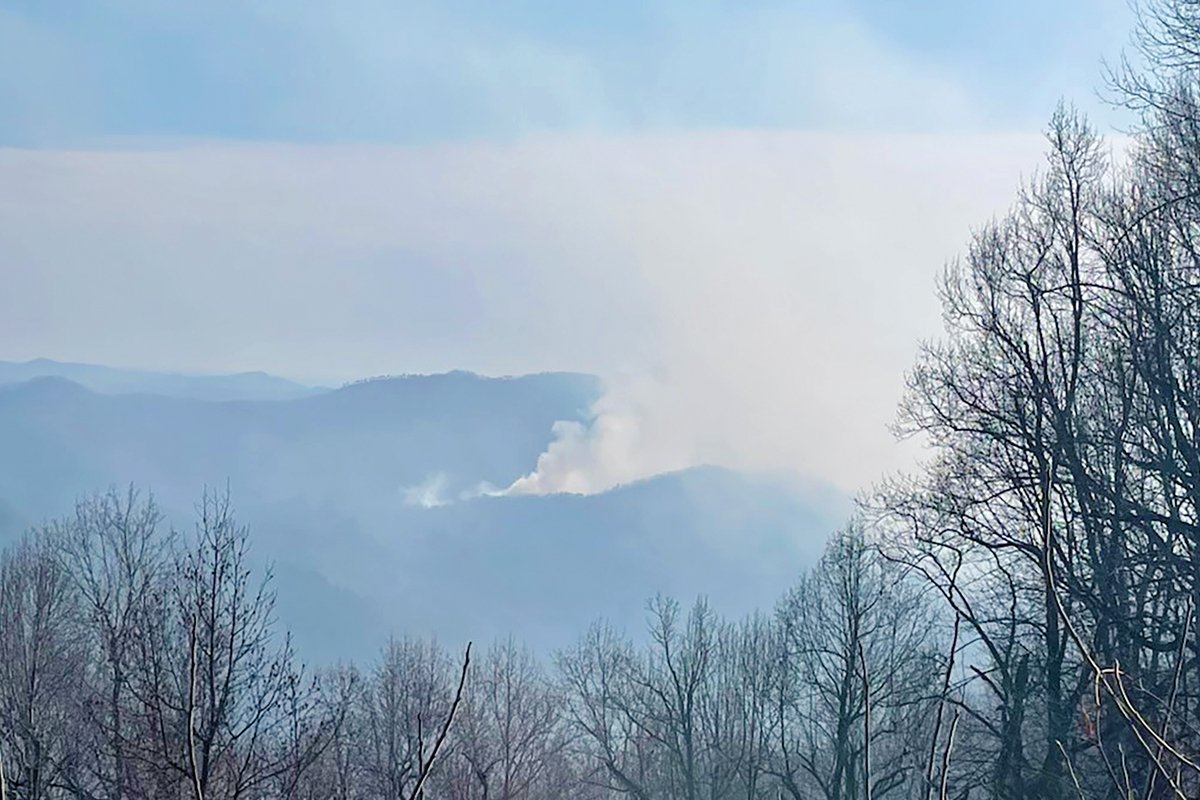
374,437
109,380
335,486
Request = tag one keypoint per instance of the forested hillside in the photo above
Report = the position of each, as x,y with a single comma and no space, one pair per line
369,499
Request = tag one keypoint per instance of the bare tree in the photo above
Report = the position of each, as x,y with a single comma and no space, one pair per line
671,688
760,658
858,660
510,731
618,755
215,707
242,691
406,712
686,718
41,668
115,552
336,775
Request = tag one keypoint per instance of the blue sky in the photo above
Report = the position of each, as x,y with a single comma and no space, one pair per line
417,71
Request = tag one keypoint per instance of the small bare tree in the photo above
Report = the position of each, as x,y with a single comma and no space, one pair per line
41,669
116,553
509,732
859,670
618,755
401,708
242,692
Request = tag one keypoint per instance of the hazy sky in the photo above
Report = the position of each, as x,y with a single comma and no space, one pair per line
732,211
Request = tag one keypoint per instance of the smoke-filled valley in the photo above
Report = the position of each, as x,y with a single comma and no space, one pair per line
373,498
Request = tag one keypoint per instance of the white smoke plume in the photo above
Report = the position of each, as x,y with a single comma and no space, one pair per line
751,298
429,493
623,441
792,278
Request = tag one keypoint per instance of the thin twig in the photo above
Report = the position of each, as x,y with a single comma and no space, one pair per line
428,766
1179,658
946,757
937,726
1070,768
191,720
3,782
862,656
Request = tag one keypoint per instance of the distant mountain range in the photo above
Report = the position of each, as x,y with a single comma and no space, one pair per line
367,499
109,380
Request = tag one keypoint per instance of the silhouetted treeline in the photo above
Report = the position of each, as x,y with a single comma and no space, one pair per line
1058,515
137,662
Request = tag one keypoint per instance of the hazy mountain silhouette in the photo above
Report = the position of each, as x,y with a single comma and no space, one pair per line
365,441
108,380
329,484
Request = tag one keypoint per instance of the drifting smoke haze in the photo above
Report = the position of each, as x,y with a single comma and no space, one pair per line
751,299
650,213
791,277
436,491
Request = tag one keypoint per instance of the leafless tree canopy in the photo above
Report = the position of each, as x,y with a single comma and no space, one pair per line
138,662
